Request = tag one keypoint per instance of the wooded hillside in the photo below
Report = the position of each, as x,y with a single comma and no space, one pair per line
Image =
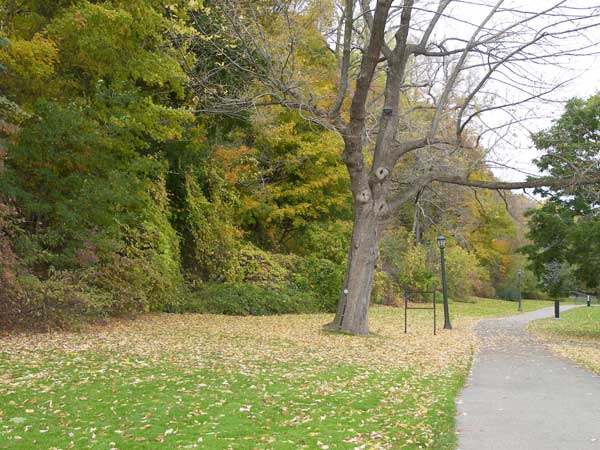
125,189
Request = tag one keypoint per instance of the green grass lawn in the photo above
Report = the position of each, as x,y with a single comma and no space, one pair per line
581,323
215,382
95,401
483,307
576,335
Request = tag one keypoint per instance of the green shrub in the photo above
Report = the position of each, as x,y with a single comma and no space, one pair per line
60,302
269,283
245,299
409,264
463,272
508,293
210,242
292,275
384,290
262,268
416,267
535,295
321,278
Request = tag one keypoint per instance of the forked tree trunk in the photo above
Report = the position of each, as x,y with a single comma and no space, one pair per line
352,312
369,187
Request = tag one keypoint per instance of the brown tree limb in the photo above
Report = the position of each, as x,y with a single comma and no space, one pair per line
353,134
345,62
528,184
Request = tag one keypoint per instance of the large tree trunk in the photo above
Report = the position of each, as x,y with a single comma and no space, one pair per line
369,186
352,312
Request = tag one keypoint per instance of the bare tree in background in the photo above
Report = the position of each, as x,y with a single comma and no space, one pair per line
455,59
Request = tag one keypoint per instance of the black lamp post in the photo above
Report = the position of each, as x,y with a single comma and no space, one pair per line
441,240
519,288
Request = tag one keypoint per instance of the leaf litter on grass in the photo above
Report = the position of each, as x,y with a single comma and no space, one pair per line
206,381
205,340
576,336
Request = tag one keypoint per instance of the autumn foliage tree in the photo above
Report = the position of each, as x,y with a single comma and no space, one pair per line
394,59
179,155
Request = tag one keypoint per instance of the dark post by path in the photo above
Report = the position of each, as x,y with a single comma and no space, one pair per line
442,244
557,309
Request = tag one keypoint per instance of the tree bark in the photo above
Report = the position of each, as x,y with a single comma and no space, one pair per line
370,187
352,312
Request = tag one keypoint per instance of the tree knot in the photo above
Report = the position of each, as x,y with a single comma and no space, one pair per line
381,173
364,196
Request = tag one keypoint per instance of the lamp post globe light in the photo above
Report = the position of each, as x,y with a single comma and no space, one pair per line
519,273
441,241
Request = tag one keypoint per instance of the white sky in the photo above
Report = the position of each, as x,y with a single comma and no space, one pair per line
519,152
521,157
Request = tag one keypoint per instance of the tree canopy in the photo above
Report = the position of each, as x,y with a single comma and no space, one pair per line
564,230
225,156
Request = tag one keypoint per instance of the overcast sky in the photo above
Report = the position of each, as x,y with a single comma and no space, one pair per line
521,155
518,151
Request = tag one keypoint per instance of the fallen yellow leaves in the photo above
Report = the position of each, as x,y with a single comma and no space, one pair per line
585,355
203,340
274,382
576,336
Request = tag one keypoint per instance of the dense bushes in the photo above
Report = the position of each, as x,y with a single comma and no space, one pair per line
90,231
66,299
245,299
384,291
464,272
269,283
320,277
415,267
508,293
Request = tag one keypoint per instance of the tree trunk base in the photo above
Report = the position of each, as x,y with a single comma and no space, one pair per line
332,327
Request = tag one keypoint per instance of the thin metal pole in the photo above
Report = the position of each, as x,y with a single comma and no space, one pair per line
405,311
447,324
434,318
557,309
519,287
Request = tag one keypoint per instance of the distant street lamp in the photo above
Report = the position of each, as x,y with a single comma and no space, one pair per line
519,288
441,240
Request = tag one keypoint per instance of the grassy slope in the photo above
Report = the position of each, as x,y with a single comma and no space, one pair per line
576,335
199,381
495,308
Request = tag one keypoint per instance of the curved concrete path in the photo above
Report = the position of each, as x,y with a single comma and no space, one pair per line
521,397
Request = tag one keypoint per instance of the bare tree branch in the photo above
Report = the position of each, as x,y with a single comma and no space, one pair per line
345,62
531,183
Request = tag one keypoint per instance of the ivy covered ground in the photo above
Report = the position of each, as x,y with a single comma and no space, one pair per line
208,381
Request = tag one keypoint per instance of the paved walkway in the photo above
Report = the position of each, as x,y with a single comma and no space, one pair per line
521,397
